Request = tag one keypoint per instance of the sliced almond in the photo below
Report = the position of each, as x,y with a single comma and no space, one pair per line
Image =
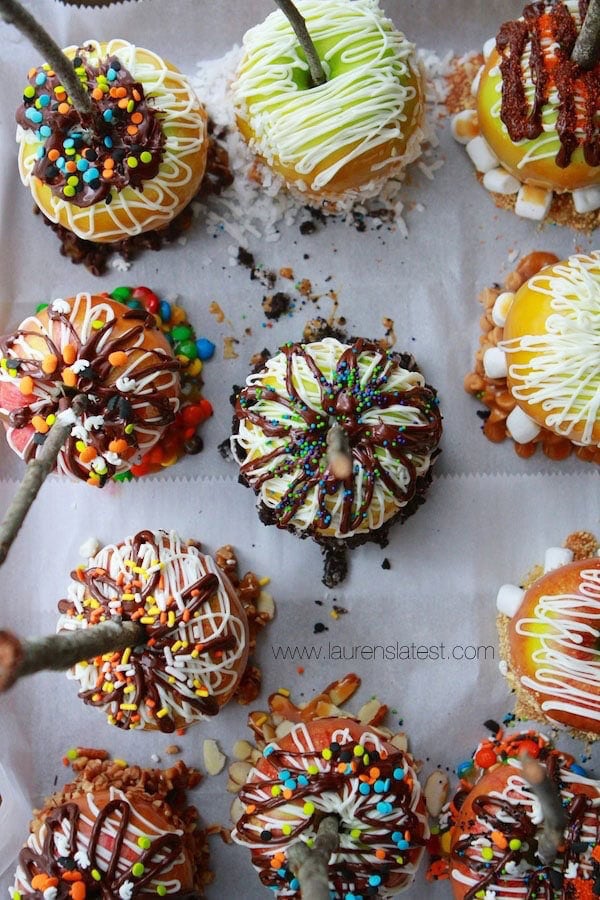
399,741
369,711
239,771
283,728
436,792
236,810
214,758
242,750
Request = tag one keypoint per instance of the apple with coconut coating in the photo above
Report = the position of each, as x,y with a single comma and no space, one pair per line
116,357
336,142
132,171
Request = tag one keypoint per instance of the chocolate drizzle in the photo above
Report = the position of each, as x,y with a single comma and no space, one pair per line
509,817
103,879
112,139
344,400
550,32
121,410
148,663
399,832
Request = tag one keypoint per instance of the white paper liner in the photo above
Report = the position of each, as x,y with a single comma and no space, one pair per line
489,515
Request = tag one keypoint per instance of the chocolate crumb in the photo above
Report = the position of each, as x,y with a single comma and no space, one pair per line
275,305
245,258
386,564
308,227
319,627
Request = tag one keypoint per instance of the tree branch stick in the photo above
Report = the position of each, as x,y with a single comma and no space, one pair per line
298,23
310,866
13,13
339,456
58,652
552,809
586,51
35,474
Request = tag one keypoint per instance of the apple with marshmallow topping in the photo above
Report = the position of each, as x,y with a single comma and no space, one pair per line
341,140
551,634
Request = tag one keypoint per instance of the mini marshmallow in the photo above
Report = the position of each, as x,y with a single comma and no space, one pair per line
533,202
521,427
555,557
475,84
80,365
125,384
482,156
489,47
499,181
494,363
60,306
94,422
501,307
465,126
586,199
508,599
88,549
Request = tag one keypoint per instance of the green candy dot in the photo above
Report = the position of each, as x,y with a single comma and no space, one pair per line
161,890
96,875
515,844
487,852
132,162
181,333
72,753
145,156
138,869
144,842
286,829
29,92
309,809
40,307
355,834
121,294
69,190
187,348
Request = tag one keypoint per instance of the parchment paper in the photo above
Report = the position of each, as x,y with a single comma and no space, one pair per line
489,515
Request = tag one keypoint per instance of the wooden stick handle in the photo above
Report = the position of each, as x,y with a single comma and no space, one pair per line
552,809
13,13
298,23
586,51
310,866
58,652
36,473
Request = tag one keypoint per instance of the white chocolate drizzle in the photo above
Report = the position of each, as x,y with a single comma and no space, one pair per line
563,374
355,112
183,124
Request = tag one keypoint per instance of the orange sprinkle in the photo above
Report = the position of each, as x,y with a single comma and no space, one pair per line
300,670
53,155
250,809
107,173
136,95
119,357
374,772
42,882
137,118
71,166
97,94
186,615
69,353
71,876
26,384
69,377
163,618
596,853
49,364
118,446
287,794
132,130
109,163
40,424
121,92
499,840
63,108
150,703
380,854
122,104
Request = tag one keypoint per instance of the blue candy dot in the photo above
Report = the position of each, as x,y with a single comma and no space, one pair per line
40,152
34,115
68,142
164,311
205,348
44,100
290,784
284,774
45,131
294,884
364,788
398,774
578,770
302,780
108,141
91,175
379,786
82,165
384,807
111,74
40,78
403,845
374,880
107,115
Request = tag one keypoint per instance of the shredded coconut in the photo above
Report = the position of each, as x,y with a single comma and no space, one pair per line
261,207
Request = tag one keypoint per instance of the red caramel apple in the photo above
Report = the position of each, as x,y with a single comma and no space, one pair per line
552,640
115,832
114,355
498,823
199,633
333,766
